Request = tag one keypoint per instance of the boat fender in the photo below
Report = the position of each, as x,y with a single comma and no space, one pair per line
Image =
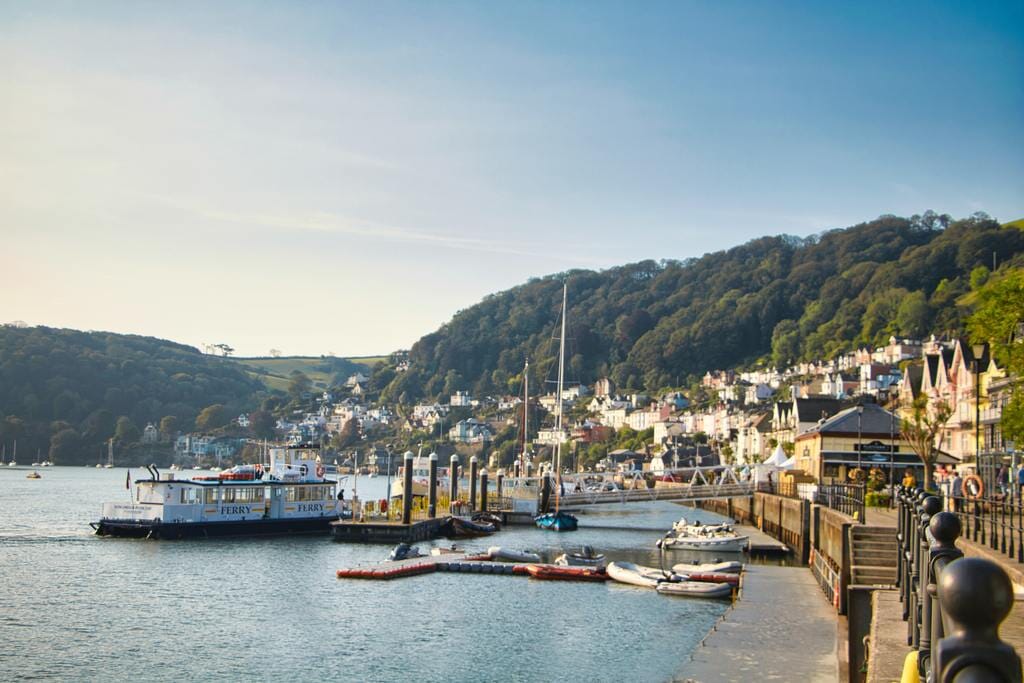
304,470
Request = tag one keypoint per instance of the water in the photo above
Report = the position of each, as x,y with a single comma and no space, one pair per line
74,606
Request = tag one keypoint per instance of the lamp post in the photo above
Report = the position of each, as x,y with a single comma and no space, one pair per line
388,447
860,449
892,452
978,350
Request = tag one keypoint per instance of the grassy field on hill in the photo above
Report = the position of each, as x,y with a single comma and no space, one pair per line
275,373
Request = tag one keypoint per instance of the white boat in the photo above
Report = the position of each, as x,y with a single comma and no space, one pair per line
726,542
110,454
290,495
174,467
683,526
707,568
694,589
638,575
585,558
509,555
420,479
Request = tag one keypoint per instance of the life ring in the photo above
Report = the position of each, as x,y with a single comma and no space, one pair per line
304,470
321,471
258,468
972,482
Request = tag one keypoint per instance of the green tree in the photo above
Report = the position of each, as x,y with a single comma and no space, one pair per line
168,426
126,431
913,315
920,430
348,435
785,343
262,424
212,417
299,385
65,447
979,276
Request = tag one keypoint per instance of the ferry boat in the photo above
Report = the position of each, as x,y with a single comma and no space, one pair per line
420,479
290,495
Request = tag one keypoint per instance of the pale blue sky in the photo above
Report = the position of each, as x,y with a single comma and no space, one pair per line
343,177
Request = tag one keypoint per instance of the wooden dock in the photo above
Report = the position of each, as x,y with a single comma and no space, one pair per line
348,531
761,543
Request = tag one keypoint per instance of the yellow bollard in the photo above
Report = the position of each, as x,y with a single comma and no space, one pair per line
910,674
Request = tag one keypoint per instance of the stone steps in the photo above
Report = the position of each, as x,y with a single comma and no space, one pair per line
873,555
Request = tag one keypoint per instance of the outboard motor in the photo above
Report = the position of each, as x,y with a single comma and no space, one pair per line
403,551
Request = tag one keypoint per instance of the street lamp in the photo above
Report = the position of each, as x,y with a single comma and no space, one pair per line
978,350
860,447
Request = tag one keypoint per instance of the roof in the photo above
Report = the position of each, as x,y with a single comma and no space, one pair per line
915,373
813,409
875,421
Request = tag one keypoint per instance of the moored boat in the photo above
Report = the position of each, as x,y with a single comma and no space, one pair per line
290,495
460,527
638,575
707,567
552,573
33,475
585,558
557,521
694,589
509,555
718,542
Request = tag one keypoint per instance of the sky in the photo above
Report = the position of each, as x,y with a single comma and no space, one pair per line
342,177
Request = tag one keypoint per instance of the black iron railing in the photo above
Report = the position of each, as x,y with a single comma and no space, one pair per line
996,522
845,498
953,605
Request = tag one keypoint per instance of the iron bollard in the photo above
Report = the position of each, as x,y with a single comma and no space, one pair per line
945,529
929,506
975,596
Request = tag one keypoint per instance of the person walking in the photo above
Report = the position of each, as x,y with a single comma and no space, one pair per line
956,491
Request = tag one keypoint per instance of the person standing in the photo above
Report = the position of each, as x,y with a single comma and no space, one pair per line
1020,481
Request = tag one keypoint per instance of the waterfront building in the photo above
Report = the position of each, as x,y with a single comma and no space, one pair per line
831,449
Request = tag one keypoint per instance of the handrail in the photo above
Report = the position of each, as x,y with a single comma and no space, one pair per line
953,605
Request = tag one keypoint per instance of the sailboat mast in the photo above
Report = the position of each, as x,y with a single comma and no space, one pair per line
558,404
526,417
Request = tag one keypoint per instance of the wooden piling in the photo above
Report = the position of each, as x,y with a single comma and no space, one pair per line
432,497
453,477
483,490
407,489
472,484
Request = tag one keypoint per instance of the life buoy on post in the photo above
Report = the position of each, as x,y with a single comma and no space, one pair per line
973,487
320,471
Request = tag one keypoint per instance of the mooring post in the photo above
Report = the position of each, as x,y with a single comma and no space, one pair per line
407,489
501,483
432,497
483,490
472,483
453,478
545,493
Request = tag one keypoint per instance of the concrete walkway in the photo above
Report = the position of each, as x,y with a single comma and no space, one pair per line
781,629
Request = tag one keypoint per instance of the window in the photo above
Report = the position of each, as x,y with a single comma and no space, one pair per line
211,495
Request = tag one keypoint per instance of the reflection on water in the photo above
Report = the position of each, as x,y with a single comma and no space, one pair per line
80,607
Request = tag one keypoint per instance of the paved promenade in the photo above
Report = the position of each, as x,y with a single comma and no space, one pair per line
781,629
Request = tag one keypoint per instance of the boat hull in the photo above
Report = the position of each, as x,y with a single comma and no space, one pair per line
175,531
557,521
694,589
732,544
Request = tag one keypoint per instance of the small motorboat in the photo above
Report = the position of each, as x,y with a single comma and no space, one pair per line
585,558
557,521
550,573
437,552
487,518
685,527
508,555
459,527
639,575
708,567
694,589
404,551
33,475
717,541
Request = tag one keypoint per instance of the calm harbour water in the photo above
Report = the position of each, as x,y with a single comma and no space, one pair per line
74,606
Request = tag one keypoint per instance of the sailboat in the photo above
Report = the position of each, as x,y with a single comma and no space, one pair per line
524,456
14,456
558,520
110,454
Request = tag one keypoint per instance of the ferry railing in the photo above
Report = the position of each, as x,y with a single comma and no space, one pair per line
953,605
